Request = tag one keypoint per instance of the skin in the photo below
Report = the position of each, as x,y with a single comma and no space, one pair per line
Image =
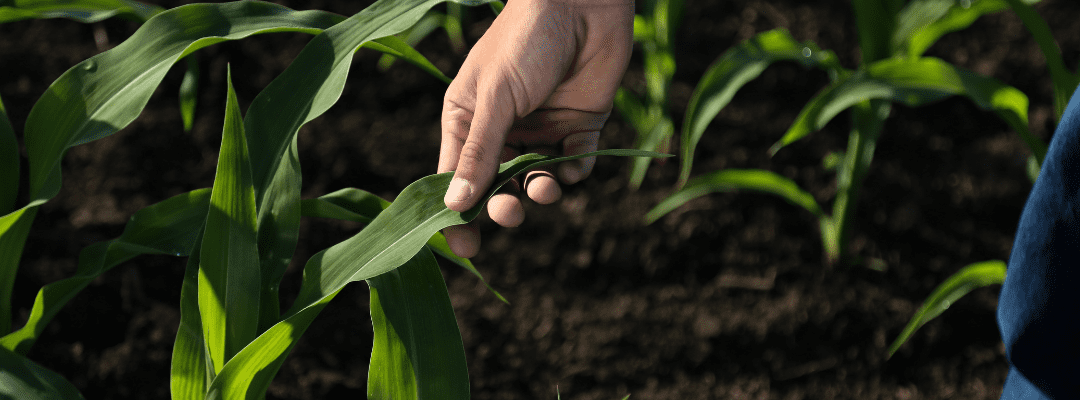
541,80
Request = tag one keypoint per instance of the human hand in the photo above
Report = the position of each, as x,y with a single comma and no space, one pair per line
541,80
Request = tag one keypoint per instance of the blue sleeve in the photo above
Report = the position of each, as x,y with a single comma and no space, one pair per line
1039,308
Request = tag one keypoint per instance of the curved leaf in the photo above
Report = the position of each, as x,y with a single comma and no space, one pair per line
106,92
169,227
86,11
391,239
14,228
914,83
1064,81
737,179
923,22
969,278
417,351
190,369
357,205
23,379
735,68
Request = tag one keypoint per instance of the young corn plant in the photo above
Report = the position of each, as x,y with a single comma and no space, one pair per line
240,234
655,31
993,272
892,36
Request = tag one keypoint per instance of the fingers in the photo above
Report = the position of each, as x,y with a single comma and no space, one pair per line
464,240
574,171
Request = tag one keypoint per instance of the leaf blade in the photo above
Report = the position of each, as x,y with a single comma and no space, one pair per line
737,179
229,258
417,351
971,277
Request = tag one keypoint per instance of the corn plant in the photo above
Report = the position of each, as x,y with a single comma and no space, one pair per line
893,36
240,234
655,31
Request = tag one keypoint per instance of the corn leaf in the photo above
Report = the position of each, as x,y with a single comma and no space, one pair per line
876,21
923,22
105,93
357,205
731,71
86,11
391,239
1064,81
395,47
737,179
190,370
914,83
969,278
417,351
14,229
189,93
169,227
23,379
229,266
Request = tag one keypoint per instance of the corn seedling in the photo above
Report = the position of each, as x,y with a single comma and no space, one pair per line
654,31
239,235
893,37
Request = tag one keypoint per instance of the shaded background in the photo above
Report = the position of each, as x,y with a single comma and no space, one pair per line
726,297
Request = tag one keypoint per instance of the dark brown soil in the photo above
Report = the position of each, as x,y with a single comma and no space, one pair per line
726,297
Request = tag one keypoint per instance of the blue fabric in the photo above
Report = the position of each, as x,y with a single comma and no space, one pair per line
1039,308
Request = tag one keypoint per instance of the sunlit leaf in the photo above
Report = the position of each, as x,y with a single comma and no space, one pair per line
14,228
417,351
969,278
391,239
357,205
914,83
190,369
229,256
737,179
731,71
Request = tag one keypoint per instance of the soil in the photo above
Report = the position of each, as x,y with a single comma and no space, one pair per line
727,297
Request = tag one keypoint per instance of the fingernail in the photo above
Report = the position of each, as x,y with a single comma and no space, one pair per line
459,191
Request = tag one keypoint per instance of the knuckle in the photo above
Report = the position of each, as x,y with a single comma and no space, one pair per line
474,152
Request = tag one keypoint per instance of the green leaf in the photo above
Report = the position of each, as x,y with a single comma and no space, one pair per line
391,239
731,71
914,83
189,93
969,278
417,351
923,22
737,179
1064,81
9,163
103,94
357,205
86,11
169,227
229,266
23,379
14,228
496,6
395,47
876,21
190,369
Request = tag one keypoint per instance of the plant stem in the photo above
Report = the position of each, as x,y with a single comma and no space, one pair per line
867,120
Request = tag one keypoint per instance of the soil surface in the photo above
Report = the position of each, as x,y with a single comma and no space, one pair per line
727,297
